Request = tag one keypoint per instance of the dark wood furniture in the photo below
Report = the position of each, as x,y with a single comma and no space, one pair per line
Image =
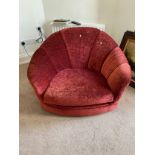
128,46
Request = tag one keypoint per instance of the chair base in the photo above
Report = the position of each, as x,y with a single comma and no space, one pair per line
79,111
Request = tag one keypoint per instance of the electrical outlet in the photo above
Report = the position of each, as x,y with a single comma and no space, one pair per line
40,39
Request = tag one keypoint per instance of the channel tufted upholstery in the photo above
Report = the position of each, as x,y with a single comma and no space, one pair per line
79,71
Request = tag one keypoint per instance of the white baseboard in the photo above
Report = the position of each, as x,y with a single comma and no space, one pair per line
24,60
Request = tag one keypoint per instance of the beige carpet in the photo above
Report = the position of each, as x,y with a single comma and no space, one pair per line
43,133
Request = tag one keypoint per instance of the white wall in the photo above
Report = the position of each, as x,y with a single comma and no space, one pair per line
106,11
118,16
31,15
124,18
79,10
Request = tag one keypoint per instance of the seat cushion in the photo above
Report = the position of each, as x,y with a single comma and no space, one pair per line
78,87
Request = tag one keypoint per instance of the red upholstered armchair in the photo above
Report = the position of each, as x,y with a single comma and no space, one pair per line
79,71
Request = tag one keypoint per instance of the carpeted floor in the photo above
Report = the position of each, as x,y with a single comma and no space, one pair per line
43,133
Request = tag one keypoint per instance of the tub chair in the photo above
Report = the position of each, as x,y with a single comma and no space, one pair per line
79,71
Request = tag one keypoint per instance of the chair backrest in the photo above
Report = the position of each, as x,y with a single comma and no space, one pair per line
80,47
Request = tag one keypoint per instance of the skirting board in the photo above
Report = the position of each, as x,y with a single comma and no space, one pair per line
24,60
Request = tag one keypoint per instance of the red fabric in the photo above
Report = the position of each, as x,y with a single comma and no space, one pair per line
79,71
40,71
114,59
103,45
56,50
119,79
117,71
78,87
79,42
79,111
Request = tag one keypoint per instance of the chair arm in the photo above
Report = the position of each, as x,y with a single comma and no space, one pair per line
117,71
119,79
40,71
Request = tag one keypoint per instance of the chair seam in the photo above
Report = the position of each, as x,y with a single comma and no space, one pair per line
116,68
90,52
66,48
